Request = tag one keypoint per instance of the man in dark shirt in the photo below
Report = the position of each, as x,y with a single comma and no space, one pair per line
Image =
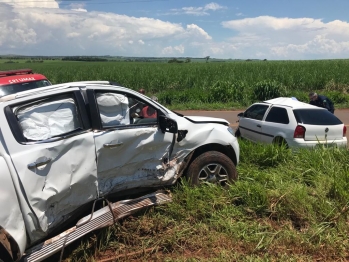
321,101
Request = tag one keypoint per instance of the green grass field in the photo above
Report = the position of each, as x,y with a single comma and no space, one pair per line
284,207
210,85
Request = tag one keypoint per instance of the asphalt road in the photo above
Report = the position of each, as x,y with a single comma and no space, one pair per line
231,116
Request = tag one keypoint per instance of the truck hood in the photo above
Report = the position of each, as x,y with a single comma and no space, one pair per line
205,119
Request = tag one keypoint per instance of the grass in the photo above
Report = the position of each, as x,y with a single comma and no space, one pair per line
212,86
284,207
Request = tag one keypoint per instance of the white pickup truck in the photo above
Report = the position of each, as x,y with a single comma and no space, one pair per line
64,147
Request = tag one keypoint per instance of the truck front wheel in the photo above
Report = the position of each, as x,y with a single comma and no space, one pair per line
212,167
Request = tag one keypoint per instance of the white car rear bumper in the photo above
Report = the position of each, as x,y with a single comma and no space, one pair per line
299,142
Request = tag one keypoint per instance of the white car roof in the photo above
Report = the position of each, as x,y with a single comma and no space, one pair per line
295,104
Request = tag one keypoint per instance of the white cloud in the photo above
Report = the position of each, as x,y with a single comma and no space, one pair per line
43,28
198,11
52,31
213,6
291,38
195,30
79,9
173,50
36,4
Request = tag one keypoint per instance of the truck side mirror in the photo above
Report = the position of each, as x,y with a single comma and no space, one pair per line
241,114
168,125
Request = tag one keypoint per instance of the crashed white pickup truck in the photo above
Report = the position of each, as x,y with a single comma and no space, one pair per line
63,147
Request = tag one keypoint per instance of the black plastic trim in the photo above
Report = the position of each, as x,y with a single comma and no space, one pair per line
14,125
94,111
207,122
261,133
82,109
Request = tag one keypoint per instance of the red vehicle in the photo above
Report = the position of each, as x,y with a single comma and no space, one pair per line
14,81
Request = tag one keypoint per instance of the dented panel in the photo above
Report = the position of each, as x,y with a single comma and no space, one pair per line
56,178
130,158
12,228
199,134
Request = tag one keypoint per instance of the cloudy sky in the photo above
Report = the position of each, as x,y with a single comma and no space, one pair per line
241,29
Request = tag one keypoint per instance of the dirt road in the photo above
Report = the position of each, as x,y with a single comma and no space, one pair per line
231,116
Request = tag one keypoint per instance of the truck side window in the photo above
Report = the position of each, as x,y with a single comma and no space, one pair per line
48,118
119,110
113,109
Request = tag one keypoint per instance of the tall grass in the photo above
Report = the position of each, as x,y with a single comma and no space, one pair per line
229,84
284,207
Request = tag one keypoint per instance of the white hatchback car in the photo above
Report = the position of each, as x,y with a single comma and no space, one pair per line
294,123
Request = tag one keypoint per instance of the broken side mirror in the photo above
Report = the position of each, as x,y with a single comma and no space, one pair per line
168,125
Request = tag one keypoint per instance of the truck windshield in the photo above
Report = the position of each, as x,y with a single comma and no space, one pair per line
19,87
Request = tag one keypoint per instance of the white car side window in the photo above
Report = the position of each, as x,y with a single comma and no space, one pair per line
278,115
113,109
256,112
45,119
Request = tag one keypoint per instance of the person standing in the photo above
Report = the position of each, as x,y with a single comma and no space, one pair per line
321,101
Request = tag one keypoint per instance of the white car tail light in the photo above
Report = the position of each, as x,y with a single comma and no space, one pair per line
299,132
344,131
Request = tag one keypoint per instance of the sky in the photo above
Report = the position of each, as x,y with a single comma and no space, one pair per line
229,29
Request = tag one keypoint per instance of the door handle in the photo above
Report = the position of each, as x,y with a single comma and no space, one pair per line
113,145
259,126
39,163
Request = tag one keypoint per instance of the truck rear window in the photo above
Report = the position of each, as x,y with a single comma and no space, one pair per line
316,117
19,87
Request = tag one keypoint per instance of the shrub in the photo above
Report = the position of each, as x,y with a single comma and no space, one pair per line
266,89
337,97
221,92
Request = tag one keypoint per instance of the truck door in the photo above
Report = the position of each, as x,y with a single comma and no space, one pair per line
52,149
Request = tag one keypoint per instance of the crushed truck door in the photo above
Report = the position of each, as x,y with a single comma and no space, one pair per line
52,149
132,151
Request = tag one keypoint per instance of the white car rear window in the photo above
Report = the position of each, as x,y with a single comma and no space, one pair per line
316,117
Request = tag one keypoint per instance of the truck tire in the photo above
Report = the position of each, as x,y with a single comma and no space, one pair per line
212,167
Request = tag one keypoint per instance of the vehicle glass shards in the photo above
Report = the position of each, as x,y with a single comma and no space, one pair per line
315,117
19,87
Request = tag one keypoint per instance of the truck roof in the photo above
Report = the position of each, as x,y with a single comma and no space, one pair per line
55,87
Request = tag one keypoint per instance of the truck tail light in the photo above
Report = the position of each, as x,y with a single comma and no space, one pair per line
299,132
344,131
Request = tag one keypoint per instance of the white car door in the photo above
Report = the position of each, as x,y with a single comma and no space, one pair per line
276,124
52,149
250,124
132,151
